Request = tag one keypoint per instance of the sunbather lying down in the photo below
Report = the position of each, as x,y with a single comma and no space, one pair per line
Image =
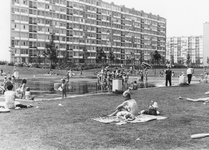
207,92
205,99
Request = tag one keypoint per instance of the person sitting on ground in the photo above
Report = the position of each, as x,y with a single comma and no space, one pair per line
153,109
10,99
182,79
203,78
134,85
28,95
128,109
18,92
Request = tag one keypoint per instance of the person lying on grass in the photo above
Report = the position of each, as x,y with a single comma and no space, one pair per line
128,109
10,99
152,110
204,99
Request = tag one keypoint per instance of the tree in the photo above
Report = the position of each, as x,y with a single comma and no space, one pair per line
141,56
85,55
66,56
188,60
133,58
172,60
111,56
38,58
156,57
51,51
198,61
101,56
207,60
163,59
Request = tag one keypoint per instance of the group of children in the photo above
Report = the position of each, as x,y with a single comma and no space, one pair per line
10,95
106,76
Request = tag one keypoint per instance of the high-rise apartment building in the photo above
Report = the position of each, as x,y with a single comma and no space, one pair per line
84,25
178,49
206,44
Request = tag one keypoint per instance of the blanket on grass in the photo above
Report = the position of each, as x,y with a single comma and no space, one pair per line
119,121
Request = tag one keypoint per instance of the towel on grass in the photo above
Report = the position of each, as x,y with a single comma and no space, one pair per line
119,121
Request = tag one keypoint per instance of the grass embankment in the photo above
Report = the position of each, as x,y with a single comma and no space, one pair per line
67,127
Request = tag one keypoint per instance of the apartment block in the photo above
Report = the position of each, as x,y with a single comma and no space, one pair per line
79,25
178,49
206,44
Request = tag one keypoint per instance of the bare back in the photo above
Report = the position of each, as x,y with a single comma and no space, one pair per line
131,106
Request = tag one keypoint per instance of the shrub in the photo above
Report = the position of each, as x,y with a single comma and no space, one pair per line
3,62
10,64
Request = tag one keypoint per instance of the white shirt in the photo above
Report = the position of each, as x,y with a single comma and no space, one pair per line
9,99
27,95
190,71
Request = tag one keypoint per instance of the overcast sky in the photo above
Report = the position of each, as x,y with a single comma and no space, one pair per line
184,17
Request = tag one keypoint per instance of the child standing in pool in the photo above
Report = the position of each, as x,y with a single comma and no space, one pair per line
64,86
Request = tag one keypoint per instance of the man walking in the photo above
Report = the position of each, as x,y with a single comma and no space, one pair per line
190,71
168,74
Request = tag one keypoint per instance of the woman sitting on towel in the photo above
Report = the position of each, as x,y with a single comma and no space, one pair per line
128,109
10,99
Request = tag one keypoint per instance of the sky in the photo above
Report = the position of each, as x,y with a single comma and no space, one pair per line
184,17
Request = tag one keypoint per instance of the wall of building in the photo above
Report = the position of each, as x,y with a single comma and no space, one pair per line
206,43
178,48
84,24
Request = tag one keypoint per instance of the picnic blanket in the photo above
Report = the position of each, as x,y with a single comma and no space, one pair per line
119,121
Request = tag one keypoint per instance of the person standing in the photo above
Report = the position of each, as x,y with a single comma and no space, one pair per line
168,74
81,69
64,87
145,78
190,71
23,87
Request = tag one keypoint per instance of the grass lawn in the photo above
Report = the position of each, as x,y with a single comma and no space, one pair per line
67,127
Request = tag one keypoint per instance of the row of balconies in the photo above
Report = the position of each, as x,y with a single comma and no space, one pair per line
96,10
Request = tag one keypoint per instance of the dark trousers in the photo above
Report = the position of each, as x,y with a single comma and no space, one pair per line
189,76
167,79
21,106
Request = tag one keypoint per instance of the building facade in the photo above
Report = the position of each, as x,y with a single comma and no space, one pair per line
179,48
206,44
83,25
